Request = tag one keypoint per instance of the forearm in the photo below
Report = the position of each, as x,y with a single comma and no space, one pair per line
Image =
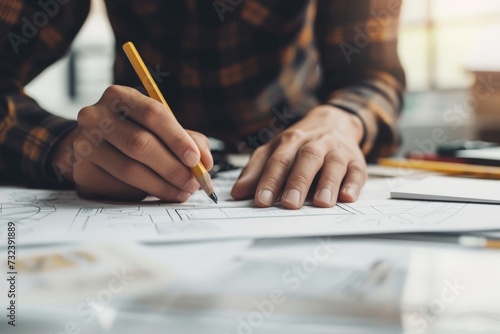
366,78
28,136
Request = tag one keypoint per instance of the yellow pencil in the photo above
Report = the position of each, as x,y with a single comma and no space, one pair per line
479,242
492,244
199,171
487,172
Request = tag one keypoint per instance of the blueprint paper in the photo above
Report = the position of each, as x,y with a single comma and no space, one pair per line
45,216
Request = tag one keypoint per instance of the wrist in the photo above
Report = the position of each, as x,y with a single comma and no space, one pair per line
348,121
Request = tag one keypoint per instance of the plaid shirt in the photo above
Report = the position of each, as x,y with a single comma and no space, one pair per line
235,67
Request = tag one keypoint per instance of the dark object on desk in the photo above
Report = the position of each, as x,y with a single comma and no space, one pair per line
221,163
463,152
454,159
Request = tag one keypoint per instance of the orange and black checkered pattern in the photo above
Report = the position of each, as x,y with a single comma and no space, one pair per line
232,65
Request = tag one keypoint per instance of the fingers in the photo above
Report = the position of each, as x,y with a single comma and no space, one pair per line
93,182
353,182
308,162
137,175
144,147
245,186
204,145
155,117
138,148
268,169
293,168
277,169
332,174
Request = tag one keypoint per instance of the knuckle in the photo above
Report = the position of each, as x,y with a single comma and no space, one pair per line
281,161
336,159
330,182
112,91
152,113
172,173
272,182
325,138
86,116
299,179
337,145
139,142
310,152
178,139
292,135
359,169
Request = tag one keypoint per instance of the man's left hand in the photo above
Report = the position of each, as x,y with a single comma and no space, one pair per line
325,143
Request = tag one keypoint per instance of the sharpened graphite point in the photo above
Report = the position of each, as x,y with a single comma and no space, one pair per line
214,198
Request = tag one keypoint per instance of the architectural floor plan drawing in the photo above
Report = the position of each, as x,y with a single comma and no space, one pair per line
45,216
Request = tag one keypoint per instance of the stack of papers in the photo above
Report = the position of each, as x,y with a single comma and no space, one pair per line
45,216
452,189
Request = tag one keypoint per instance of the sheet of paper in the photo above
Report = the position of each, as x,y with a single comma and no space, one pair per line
73,273
306,285
349,281
452,291
453,189
44,216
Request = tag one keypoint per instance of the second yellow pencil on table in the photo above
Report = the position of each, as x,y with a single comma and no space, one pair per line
199,171
487,172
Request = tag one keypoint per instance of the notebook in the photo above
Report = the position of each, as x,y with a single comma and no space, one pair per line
451,189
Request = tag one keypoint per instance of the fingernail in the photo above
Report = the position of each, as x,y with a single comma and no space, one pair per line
266,197
191,158
350,191
325,196
191,186
183,196
292,197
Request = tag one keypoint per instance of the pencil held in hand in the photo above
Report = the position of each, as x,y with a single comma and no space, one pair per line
199,171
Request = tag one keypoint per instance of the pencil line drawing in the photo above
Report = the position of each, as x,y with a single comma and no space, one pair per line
62,214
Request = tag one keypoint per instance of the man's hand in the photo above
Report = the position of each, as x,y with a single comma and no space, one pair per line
325,143
128,146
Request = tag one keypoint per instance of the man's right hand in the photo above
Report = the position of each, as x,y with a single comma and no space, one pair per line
128,146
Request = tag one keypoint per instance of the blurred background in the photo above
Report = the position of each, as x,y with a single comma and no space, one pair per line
450,50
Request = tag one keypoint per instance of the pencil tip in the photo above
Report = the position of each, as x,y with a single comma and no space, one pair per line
213,197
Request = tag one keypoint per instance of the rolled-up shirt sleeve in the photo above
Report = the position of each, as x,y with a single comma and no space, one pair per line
361,70
28,133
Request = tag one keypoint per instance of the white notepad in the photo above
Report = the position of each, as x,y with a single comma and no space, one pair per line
451,189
